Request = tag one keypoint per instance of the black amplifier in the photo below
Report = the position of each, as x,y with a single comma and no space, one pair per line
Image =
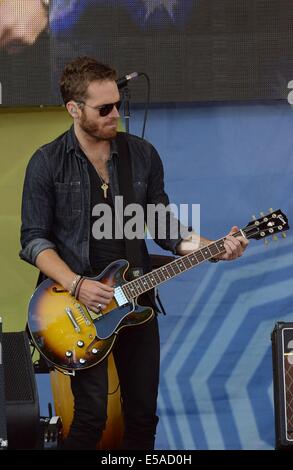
282,351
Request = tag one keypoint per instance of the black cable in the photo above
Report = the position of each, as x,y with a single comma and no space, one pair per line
116,389
147,102
33,348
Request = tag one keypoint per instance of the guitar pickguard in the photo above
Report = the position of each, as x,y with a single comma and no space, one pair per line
108,323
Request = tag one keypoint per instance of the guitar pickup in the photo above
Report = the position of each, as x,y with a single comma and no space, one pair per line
120,297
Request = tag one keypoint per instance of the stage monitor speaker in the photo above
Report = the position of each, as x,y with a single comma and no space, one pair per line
21,397
282,351
3,427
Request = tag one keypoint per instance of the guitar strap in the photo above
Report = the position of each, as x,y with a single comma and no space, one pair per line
135,249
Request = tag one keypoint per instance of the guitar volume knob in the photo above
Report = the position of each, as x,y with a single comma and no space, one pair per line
68,354
80,344
95,351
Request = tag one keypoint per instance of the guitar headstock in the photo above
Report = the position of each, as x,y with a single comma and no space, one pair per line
269,224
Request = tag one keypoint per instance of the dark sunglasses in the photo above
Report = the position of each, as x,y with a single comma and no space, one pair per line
105,109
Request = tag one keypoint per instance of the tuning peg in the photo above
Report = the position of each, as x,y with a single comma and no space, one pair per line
271,210
253,217
275,237
266,241
284,235
262,214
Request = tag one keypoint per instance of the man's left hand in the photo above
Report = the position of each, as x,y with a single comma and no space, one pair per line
234,246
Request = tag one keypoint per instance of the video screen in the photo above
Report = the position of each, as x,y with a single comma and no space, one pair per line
192,50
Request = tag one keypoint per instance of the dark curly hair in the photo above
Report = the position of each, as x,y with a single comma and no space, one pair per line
79,73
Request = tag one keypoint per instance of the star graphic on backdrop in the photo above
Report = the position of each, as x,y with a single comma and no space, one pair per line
152,5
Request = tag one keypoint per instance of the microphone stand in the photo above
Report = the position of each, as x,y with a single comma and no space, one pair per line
126,98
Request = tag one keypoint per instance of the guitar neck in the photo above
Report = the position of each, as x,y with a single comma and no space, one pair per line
156,277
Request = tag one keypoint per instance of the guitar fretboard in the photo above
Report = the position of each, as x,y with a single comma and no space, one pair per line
269,224
156,277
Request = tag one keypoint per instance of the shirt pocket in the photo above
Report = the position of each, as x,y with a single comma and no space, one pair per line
68,198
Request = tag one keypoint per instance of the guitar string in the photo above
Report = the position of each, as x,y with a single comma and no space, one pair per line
182,258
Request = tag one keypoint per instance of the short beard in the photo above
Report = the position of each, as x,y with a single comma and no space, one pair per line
93,132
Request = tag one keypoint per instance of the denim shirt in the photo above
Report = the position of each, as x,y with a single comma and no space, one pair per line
56,208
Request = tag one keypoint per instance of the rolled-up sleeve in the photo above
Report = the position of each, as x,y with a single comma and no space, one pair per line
37,209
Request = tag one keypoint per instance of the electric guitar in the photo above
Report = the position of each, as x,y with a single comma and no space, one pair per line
72,337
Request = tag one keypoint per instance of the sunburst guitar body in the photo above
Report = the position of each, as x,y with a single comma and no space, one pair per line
72,337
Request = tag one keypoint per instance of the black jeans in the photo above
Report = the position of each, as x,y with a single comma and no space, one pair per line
137,358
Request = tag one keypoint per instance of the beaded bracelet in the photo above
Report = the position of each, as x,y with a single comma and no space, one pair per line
74,284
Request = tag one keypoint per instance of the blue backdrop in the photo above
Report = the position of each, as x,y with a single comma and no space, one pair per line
235,160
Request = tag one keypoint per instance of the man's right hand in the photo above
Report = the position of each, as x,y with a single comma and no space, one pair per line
95,295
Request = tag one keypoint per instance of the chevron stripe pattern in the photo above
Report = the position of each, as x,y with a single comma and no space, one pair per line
216,364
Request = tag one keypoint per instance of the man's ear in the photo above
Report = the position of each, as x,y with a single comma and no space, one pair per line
71,107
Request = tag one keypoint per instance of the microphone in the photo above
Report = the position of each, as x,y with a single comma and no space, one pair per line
123,81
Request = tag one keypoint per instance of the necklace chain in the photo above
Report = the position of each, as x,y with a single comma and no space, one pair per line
104,186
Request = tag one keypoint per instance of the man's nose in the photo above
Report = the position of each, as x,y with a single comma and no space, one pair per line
115,112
